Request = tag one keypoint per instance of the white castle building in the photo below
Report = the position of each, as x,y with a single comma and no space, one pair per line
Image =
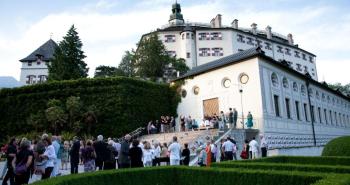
200,43
34,66
257,71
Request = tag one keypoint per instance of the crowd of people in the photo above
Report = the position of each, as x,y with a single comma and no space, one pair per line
48,156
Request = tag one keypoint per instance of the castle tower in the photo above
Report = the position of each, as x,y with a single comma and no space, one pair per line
176,17
188,46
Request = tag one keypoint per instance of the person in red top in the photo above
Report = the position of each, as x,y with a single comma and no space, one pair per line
208,151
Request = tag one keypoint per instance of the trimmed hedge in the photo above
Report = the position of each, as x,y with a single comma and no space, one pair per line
337,147
194,176
286,167
314,160
123,104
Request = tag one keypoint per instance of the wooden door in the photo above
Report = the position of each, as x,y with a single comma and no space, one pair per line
211,107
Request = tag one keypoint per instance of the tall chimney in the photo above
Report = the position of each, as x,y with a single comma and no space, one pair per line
268,32
218,21
254,28
290,39
234,24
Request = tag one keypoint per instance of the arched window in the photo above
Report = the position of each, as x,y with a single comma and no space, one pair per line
323,97
274,79
311,92
285,83
295,87
317,95
303,90
183,93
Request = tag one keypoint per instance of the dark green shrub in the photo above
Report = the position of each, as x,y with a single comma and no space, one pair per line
186,176
284,167
122,104
337,147
314,160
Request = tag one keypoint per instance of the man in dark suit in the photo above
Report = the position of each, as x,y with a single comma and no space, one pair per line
101,152
74,155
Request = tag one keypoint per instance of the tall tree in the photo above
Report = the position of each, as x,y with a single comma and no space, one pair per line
151,57
107,71
127,65
68,62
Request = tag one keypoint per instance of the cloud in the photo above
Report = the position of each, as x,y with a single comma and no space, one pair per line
106,33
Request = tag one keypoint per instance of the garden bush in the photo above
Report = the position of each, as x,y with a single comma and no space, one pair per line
196,176
337,147
314,160
122,104
284,166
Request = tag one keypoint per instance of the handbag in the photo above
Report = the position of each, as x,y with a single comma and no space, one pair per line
21,168
244,154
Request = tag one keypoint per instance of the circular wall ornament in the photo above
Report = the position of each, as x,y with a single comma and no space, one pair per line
226,82
196,90
183,93
243,78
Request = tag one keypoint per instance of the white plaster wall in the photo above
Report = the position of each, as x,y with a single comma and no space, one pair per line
210,85
35,69
305,151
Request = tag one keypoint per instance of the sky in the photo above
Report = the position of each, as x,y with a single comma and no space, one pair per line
108,28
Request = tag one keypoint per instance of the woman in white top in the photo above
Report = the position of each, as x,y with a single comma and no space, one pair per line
50,156
147,155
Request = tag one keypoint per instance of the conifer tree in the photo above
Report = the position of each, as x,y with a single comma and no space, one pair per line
68,62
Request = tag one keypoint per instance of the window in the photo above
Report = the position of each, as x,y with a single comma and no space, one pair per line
188,55
279,49
299,67
171,53
226,82
195,90
204,36
304,56
325,115
250,41
306,69
183,36
258,43
303,90
274,79
312,113
287,51
216,36
305,112
30,79
169,38
192,36
297,109
335,118
285,83
340,121
38,62
311,59
277,109
217,52
330,117
239,50
319,115
204,52
297,54
317,95
311,92
187,35
240,38
42,78
295,87
268,46
29,63
288,108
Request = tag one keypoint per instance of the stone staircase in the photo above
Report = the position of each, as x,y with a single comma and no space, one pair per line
189,137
